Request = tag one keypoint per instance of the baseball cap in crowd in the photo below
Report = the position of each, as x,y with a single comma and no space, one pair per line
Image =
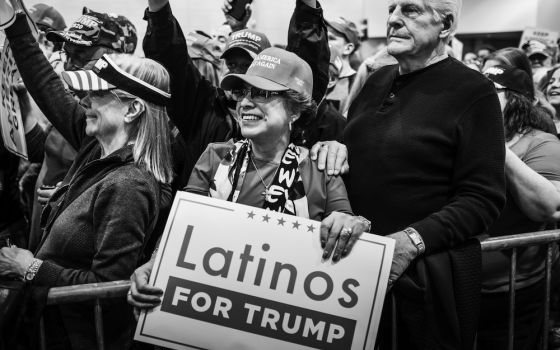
345,28
536,47
511,78
200,45
250,41
274,69
46,17
99,29
107,75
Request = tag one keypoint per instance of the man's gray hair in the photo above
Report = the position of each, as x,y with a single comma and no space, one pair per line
443,8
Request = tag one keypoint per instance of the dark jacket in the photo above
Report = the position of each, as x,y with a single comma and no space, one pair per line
328,125
199,109
97,222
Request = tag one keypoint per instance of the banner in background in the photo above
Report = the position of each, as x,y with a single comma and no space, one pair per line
11,123
239,277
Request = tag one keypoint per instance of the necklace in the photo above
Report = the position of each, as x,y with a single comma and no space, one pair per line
267,193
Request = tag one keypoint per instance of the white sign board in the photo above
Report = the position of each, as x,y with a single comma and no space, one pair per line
549,37
239,277
11,123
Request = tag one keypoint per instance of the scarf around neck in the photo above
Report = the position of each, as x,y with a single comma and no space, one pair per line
286,193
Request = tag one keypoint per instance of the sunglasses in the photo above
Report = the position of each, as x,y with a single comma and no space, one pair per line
255,94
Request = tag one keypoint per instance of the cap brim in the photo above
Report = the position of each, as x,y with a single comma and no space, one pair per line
232,49
232,81
62,36
539,53
85,80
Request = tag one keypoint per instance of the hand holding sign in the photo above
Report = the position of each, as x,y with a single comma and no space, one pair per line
141,294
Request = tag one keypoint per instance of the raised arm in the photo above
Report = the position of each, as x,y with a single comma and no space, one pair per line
44,85
308,38
191,94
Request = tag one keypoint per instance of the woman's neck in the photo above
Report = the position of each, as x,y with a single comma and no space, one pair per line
270,151
111,144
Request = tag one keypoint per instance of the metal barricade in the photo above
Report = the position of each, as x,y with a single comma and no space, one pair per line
514,242
98,291
86,292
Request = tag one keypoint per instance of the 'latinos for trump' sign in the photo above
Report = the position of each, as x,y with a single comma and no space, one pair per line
238,277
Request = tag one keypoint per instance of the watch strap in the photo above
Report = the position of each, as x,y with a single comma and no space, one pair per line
416,239
32,269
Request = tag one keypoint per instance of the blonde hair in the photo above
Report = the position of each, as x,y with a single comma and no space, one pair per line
150,131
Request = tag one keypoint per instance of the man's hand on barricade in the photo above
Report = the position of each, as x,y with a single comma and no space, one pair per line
331,155
234,23
405,252
339,233
156,5
141,295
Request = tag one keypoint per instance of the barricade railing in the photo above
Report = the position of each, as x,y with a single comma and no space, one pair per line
117,289
512,243
86,292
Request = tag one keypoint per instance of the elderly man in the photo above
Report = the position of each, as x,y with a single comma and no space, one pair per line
426,153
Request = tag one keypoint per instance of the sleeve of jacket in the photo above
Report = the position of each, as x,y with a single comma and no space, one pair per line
124,213
191,93
308,38
35,140
477,194
44,85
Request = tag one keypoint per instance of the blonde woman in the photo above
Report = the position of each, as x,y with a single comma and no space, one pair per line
96,224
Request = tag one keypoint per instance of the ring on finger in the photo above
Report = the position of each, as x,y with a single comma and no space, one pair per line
346,232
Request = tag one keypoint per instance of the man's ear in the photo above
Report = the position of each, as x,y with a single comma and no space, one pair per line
135,109
447,24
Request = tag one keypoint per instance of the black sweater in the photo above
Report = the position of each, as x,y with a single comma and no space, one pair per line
426,150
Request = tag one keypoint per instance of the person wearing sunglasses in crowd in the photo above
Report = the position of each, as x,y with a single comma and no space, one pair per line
204,113
97,222
84,42
267,168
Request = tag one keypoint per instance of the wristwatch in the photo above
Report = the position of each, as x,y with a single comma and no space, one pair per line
32,270
416,239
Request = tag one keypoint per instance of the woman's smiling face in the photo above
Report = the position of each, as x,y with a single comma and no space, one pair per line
553,89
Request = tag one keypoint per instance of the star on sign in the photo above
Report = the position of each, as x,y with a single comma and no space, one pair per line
250,215
296,225
310,228
266,218
281,222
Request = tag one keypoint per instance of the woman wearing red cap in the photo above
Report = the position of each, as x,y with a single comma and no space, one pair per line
268,169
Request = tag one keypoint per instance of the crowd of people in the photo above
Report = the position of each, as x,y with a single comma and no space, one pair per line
410,143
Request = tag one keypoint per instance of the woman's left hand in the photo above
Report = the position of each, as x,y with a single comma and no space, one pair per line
14,261
339,233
